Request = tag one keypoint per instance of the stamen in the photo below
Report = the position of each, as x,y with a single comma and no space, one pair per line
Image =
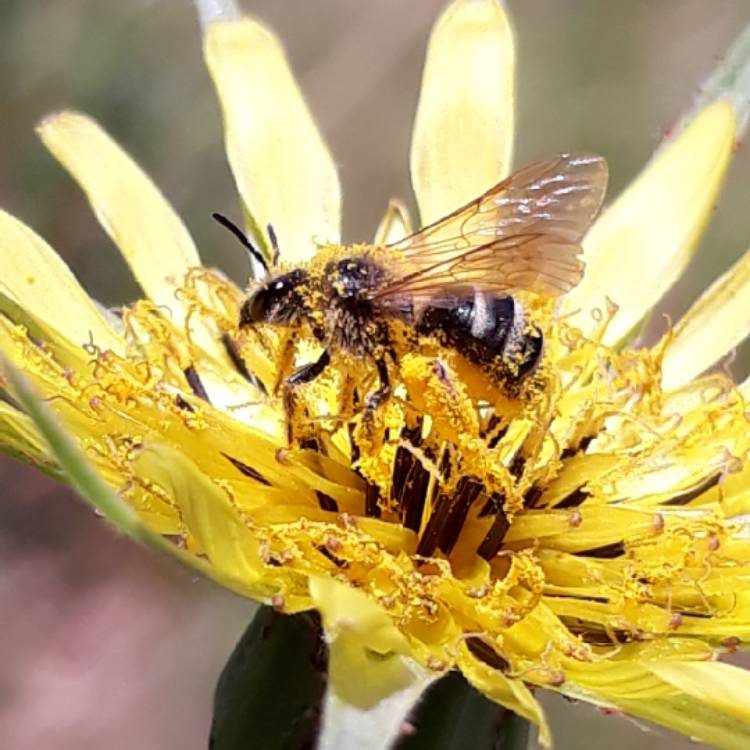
184,404
497,436
493,540
410,479
195,383
404,461
517,465
574,499
415,496
372,500
248,471
485,653
599,637
239,364
605,552
466,493
429,540
448,517
531,498
326,502
372,492
337,561
581,448
685,497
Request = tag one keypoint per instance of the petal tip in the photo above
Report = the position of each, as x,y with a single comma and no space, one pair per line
459,130
210,11
69,120
730,81
51,118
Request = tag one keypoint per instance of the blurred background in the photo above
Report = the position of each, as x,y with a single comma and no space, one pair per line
105,644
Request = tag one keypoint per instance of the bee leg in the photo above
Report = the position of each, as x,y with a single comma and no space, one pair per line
376,398
305,374
286,359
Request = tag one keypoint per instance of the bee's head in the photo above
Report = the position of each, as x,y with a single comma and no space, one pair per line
278,301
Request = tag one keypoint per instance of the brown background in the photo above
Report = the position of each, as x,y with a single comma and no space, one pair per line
104,644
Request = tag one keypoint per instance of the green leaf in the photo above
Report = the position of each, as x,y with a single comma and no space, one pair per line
270,691
453,716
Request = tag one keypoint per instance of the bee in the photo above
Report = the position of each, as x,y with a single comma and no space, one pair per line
456,280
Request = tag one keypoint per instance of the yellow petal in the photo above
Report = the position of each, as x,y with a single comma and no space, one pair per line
39,281
395,224
730,80
20,439
129,206
643,242
350,613
721,686
679,712
463,133
281,165
373,682
713,326
82,475
209,516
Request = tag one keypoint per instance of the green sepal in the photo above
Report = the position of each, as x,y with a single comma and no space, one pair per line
454,716
270,693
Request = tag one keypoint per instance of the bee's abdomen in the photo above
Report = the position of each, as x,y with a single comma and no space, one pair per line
487,330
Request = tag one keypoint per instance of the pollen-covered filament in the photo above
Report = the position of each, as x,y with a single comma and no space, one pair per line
585,516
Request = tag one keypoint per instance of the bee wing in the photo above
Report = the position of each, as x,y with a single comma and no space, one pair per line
522,234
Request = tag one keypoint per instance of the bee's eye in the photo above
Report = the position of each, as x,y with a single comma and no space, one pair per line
256,308
276,302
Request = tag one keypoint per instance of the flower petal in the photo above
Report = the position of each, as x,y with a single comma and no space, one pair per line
90,485
724,687
680,712
395,224
349,613
210,516
283,170
20,438
38,280
714,325
373,683
128,205
644,240
216,10
463,132
730,80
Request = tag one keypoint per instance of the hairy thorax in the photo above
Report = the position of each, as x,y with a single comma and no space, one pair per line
341,290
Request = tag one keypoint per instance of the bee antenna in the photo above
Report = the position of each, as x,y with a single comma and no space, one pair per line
274,243
243,238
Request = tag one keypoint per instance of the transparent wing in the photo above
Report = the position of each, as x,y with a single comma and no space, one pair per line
523,234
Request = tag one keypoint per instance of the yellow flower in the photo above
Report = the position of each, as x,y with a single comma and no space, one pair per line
588,536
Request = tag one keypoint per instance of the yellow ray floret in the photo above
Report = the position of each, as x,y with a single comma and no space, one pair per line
583,529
